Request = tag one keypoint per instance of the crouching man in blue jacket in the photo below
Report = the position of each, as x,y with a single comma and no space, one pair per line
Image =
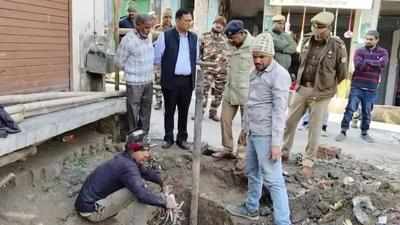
117,183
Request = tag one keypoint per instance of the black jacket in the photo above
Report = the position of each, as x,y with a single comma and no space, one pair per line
120,172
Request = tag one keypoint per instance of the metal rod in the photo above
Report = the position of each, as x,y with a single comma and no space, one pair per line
336,20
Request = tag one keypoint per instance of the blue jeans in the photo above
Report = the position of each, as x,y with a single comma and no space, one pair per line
359,96
260,169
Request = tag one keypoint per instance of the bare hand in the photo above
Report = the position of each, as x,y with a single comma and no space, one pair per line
276,153
171,202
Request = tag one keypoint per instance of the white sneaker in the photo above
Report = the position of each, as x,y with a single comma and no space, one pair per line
324,133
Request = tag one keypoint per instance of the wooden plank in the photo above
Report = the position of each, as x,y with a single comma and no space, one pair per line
31,24
32,47
32,32
17,156
6,4
12,14
43,3
32,62
37,129
32,54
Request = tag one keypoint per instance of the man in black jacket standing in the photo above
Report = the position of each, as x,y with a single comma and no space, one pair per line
115,184
177,52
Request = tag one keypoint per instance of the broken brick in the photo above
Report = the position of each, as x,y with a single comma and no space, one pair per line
328,152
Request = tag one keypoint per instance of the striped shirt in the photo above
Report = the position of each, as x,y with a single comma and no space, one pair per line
135,56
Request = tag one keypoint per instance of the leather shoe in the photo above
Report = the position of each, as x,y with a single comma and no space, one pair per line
167,145
183,145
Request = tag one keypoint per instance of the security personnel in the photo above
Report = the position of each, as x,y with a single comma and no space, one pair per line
129,20
323,65
166,23
236,90
284,44
214,46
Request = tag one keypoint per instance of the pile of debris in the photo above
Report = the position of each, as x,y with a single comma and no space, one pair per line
342,190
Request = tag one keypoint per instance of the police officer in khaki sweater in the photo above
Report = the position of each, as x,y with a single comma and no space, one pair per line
236,91
323,65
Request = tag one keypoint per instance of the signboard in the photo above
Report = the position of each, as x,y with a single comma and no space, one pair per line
341,4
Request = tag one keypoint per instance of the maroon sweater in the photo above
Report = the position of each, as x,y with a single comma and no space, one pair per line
369,65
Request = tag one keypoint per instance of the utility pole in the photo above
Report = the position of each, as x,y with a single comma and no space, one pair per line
116,6
194,209
197,148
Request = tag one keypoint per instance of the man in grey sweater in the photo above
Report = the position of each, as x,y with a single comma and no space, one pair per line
135,57
265,116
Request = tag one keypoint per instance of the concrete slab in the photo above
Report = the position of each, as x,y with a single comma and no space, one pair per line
41,128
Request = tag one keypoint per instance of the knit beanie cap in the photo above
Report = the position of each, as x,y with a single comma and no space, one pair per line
264,43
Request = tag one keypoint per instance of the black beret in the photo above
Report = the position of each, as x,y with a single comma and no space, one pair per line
233,27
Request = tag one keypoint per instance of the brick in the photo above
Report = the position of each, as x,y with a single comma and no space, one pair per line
328,152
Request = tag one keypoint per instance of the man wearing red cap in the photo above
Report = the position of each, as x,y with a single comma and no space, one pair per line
117,183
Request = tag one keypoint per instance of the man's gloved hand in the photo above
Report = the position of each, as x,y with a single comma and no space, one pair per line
171,202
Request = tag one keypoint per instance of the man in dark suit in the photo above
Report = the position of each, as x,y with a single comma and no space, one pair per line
177,52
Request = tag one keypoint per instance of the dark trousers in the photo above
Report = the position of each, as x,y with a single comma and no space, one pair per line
359,96
177,97
139,100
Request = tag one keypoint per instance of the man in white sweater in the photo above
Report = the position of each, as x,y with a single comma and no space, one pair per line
135,57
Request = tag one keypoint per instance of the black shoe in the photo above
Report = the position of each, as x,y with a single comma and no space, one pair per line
167,145
183,145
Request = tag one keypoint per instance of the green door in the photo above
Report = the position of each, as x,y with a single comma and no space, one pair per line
142,6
